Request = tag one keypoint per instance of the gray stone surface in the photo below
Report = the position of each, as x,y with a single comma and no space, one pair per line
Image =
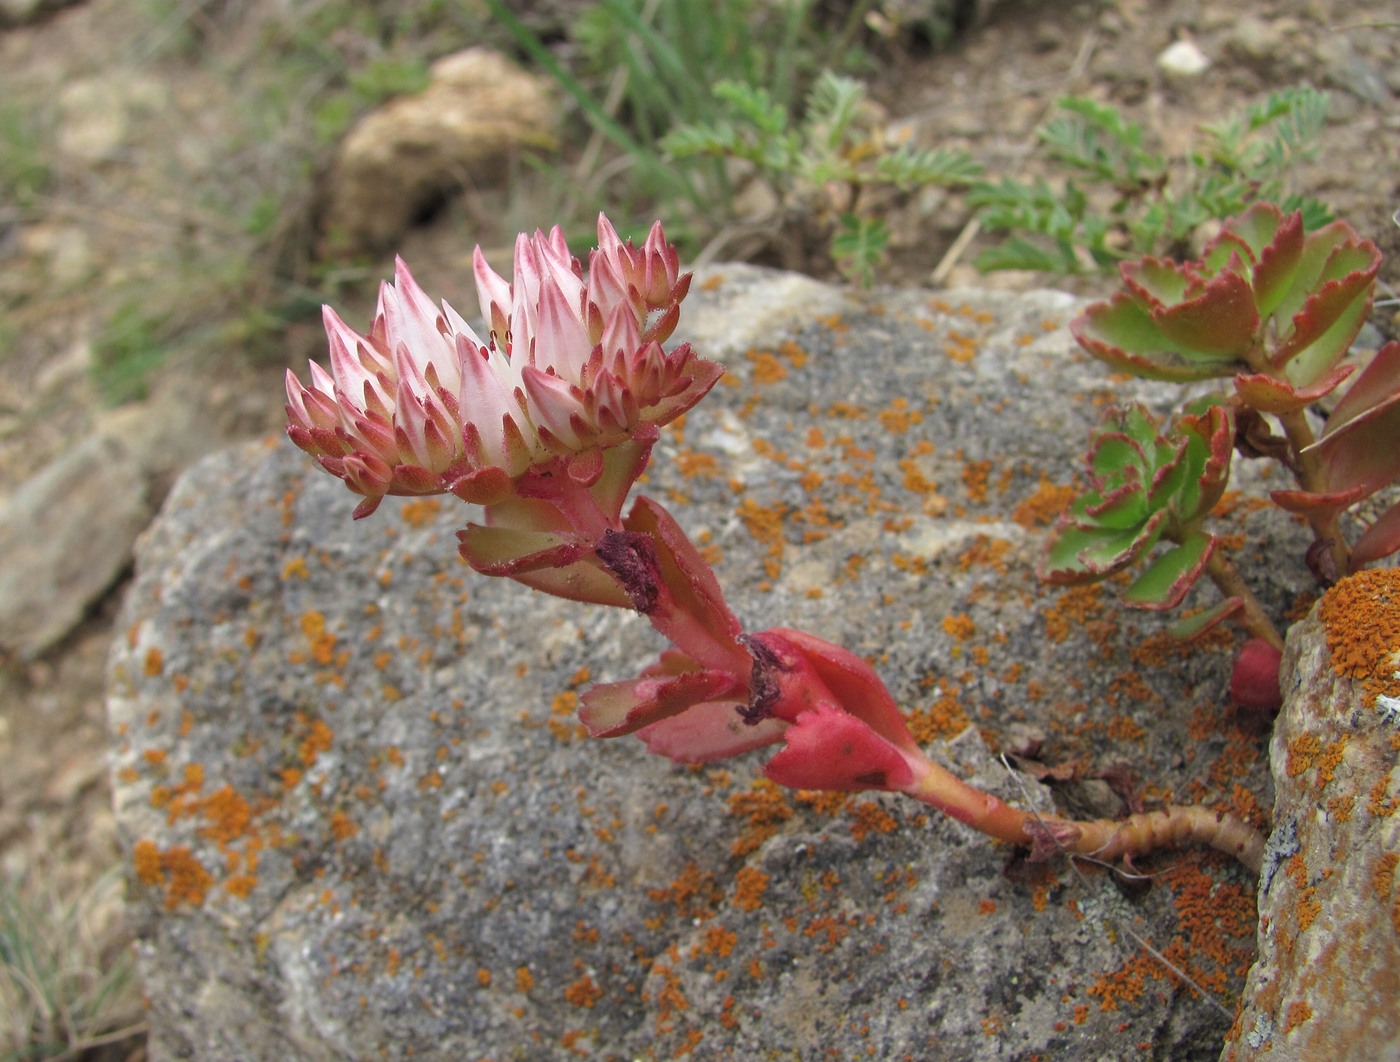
362,820
1328,974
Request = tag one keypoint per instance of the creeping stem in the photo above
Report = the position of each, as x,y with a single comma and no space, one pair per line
1230,583
1103,839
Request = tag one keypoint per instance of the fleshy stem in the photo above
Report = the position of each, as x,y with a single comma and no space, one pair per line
679,609
1306,466
1102,839
1252,616
1325,523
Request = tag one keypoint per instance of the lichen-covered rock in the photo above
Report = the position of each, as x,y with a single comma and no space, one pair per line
1328,976
478,111
361,817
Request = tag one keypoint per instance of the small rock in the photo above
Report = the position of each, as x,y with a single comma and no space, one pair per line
1182,60
66,535
96,113
478,110
1258,42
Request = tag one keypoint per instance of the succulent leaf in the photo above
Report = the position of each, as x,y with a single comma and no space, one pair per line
1265,302
1379,540
1269,394
1165,581
1220,322
1192,626
1143,483
1122,334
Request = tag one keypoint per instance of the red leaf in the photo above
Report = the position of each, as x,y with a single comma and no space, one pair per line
829,749
612,709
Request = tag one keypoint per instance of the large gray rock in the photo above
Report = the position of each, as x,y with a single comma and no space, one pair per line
362,819
1328,972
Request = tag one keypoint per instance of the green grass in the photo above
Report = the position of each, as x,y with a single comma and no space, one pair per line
62,987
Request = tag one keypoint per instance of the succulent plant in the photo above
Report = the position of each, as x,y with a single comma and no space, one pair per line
1145,485
1267,304
1358,454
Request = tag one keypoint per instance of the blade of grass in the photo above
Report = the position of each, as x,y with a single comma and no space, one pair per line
642,158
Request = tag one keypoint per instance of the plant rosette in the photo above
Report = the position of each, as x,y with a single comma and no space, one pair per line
1145,484
1267,304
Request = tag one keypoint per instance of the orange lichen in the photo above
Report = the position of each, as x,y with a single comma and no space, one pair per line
583,992
1361,618
1303,754
342,827
898,418
1298,1012
317,741
762,806
183,876
750,884
227,815
958,626
420,511
155,661
694,465
719,942
766,367
765,524
1044,505
693,892
945,718
975,476
1072,610
869,817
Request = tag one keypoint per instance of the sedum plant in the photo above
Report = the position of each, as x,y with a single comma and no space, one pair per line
1270,311
547,424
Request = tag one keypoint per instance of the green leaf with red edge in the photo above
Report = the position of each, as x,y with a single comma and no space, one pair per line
1121,509
1318,247
1115,451
544,560
1278,256
1196,625
1078,555
1172,475
1324,503
1379,540
1360,448
1165,581
1228,251
1157,281
1258,226
622,464
1210,442
1122,334
1221,322
1333,313
1269,394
